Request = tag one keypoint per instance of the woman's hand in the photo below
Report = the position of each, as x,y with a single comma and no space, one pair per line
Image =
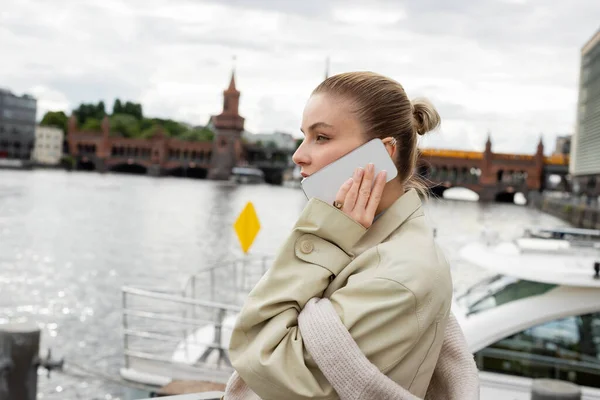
356,198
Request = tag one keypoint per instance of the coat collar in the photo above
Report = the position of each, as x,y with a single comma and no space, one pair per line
392,219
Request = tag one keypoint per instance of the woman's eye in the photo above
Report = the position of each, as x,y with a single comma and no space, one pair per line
321,138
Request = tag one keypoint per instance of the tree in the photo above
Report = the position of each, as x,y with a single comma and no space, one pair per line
198,135
85,111
100,109
91,124
57,119
117,107
125,124
206,135
133,109
172,128
150,131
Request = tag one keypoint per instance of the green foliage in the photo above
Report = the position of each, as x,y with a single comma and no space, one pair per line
298,143
57,119
128,120
150,131
117,107
126,125
129,108
198,135
271,145
91,124
85,111
173,128
68,162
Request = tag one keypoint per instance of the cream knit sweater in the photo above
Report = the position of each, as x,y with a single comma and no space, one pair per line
354,377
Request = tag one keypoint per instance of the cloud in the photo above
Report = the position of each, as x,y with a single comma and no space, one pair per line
49,99
510,67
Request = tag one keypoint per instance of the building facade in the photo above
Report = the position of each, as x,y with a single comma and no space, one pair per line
48,145
585,149
17,125
563,145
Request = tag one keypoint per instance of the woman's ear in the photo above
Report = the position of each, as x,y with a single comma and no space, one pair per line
390,146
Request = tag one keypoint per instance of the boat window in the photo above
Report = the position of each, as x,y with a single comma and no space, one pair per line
566,349
502,290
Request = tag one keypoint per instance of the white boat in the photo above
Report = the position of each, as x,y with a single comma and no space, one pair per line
579,235
536,315
247,175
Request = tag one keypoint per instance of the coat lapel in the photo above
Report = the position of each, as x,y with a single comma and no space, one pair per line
391,220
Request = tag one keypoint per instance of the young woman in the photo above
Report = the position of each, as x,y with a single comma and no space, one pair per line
370,253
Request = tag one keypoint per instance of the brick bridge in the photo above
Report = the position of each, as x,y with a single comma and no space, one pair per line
493,176
161,155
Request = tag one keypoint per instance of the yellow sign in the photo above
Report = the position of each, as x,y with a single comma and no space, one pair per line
247,227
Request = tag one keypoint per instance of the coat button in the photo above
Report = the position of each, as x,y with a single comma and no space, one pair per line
307,247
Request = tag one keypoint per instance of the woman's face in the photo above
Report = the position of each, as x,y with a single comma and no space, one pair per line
330,130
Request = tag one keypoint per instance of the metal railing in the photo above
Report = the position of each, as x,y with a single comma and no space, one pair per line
163,326
195,396
524,361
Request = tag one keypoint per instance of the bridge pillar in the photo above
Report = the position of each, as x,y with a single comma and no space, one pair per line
154,170
100,165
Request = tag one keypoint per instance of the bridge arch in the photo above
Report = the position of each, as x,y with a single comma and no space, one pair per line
187,172
129,168
85,164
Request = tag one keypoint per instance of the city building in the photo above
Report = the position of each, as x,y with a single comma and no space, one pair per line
585,149
563,145
278,140
17,125
48,145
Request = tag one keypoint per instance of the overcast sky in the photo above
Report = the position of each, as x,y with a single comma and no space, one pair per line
507,66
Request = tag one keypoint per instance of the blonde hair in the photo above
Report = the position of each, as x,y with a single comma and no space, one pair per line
384,110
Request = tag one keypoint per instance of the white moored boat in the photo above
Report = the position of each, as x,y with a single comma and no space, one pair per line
537,315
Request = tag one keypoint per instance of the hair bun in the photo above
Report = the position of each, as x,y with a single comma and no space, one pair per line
425,116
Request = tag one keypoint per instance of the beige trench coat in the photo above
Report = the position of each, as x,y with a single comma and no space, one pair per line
390,285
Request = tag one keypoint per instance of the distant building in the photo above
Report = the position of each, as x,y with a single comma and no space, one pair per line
48,145
563,145
279,140
228,127
585,151
17,125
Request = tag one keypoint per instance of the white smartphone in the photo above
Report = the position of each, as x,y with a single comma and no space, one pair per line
326,182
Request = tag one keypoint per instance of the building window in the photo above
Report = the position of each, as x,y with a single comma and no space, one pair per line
566,349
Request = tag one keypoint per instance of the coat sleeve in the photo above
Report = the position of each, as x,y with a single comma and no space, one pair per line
266,347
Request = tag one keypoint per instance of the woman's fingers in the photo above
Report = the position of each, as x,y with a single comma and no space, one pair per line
376,194
340,197
365,187
360,195
350,200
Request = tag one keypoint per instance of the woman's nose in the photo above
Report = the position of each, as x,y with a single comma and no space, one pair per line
301,157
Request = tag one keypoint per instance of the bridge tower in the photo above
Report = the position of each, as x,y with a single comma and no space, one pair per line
228,126
488,177
539,181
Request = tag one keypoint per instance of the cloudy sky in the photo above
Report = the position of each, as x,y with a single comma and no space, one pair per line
507,66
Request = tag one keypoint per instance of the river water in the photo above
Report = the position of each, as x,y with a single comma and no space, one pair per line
69,241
